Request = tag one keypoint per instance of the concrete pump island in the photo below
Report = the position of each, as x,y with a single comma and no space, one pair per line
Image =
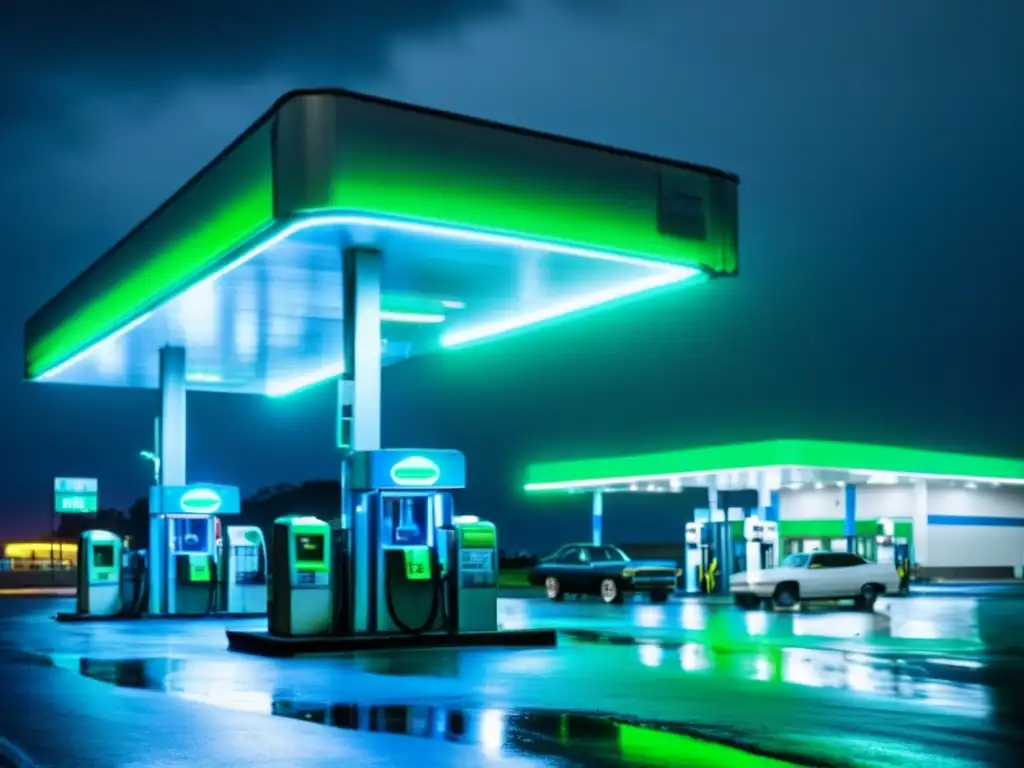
338,235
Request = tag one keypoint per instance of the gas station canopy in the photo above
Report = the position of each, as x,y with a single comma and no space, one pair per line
779,463
485,229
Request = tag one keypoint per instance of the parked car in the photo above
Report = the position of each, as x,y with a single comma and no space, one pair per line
807,577
605,571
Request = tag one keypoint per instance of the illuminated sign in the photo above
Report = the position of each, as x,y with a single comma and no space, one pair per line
693,533
415,471
200,501
75,495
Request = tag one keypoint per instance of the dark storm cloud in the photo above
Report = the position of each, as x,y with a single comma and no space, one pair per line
148,47
46,47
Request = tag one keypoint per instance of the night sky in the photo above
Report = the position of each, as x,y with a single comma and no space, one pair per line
882,242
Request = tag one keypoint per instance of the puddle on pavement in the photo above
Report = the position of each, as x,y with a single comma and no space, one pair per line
552,738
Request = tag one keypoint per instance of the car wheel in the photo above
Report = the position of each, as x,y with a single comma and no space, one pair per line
553,589
867,598
659,597
610,592
786,596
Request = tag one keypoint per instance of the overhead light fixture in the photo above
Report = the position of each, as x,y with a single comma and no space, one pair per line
421,318
662,274
292,384
204,378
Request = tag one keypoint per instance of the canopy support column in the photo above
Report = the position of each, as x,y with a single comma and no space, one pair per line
359,417
596,515
171,454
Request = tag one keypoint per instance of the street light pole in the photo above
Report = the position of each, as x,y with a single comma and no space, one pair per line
154,455
150,456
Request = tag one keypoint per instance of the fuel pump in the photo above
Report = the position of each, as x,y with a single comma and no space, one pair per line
99,574
890,549
885,541
182,558
708,572
473,580
761,537
401,564
902,558
770,545
243,570
692,561
411,569
300,601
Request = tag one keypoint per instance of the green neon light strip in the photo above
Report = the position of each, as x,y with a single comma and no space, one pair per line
836,529
745,457
663,275
468,196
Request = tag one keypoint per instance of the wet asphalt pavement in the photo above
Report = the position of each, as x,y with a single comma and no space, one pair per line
921,681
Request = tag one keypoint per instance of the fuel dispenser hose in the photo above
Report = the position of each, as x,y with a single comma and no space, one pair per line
211,604
140,591
437,601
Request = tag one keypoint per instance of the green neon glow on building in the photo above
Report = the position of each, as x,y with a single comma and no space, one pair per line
357,156
653,747
819,454
235,202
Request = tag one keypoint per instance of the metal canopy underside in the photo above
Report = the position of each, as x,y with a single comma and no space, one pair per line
483,229
777,464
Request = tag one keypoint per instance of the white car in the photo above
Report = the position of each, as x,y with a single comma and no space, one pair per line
812,576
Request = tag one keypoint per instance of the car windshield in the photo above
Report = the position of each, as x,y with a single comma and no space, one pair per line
607,555
796,561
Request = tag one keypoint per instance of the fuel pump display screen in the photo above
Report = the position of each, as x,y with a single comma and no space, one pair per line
309,548
103,556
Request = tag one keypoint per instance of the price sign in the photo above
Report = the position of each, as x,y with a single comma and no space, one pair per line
75,495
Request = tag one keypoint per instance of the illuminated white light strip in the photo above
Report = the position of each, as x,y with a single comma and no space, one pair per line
305,380
455,338
423,318
567,485
85,352
204,378
677,273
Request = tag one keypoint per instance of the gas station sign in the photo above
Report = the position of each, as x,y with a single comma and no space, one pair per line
200,501
75,495
396,469
416,471
197,499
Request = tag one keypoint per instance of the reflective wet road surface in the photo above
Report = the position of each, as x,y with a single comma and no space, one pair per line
919,682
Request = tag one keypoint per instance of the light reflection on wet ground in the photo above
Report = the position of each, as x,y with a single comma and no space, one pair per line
946,625
729,674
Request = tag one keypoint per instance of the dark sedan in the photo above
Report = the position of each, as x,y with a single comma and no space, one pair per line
605,571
